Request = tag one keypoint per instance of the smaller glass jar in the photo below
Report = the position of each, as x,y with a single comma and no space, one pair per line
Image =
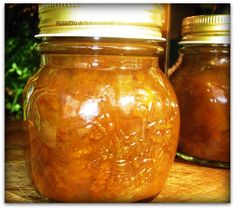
201,82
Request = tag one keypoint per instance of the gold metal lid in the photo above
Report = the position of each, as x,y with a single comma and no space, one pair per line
113,21
206,29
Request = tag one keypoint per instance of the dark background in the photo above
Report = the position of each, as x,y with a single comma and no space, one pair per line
22,60
179,12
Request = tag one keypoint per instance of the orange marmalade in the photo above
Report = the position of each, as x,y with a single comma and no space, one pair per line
202,87
103,120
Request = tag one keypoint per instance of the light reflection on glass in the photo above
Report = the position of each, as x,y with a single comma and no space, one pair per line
28,95
126,103
129,48
222,99
95,64
159,104
95,47
173,104
223,60
89,109
126,100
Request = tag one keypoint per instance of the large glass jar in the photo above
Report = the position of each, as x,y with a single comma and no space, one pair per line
103,120
202,84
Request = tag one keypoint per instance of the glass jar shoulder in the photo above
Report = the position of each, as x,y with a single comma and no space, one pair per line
214,70
98,83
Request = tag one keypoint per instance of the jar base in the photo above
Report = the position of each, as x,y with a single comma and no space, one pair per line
146,200
202,162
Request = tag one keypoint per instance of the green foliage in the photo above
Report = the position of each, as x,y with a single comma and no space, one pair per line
21,58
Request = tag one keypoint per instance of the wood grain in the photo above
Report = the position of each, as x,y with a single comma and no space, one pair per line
186,182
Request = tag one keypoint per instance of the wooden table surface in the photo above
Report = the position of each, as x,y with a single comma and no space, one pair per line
186,183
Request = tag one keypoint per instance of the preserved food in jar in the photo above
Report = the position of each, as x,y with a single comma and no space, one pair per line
103,120
102,128
201,83
203,94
